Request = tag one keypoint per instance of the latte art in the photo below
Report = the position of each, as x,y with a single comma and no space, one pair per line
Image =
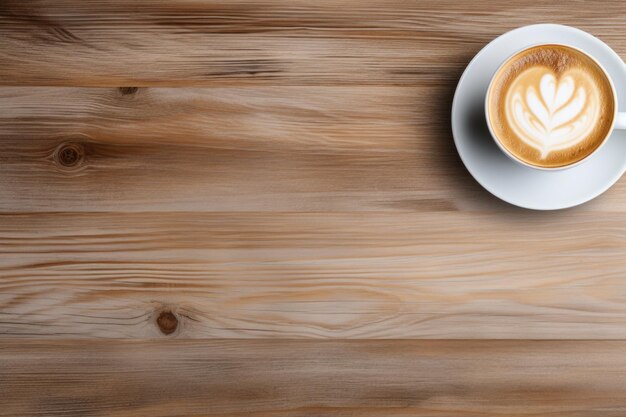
550,114
550,106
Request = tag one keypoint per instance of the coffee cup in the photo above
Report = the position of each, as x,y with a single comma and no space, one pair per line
551,106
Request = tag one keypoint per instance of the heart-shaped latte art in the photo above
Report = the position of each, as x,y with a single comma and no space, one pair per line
552,113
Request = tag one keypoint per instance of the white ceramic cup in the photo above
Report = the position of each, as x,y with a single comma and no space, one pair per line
619,118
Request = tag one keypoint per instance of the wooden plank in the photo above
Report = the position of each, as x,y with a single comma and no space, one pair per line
321,378
233,149
306,149
183,42
315,275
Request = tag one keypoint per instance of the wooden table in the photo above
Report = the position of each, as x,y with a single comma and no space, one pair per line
236,208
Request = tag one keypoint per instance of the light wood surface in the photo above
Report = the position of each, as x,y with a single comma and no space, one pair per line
280,170
268,42
396,378
338,275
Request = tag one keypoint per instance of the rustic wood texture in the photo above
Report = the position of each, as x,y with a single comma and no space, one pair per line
280,170
338,275
225,149
293,42
398,378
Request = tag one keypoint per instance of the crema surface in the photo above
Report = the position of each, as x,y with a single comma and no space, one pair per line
551,106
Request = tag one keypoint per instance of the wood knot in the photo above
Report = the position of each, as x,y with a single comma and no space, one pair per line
167,322
128,90
69,155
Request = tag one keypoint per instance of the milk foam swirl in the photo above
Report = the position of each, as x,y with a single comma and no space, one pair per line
550,113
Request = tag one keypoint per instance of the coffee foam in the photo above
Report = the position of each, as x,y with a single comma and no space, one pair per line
551,106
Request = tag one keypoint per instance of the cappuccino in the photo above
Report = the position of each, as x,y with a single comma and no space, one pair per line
551,106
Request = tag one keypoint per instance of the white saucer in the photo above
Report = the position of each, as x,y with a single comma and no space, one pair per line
508,180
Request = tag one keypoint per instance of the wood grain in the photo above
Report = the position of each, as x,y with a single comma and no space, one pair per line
229,149
331,275
324,378
267,171
184,42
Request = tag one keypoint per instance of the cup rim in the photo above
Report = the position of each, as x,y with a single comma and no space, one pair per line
559,168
